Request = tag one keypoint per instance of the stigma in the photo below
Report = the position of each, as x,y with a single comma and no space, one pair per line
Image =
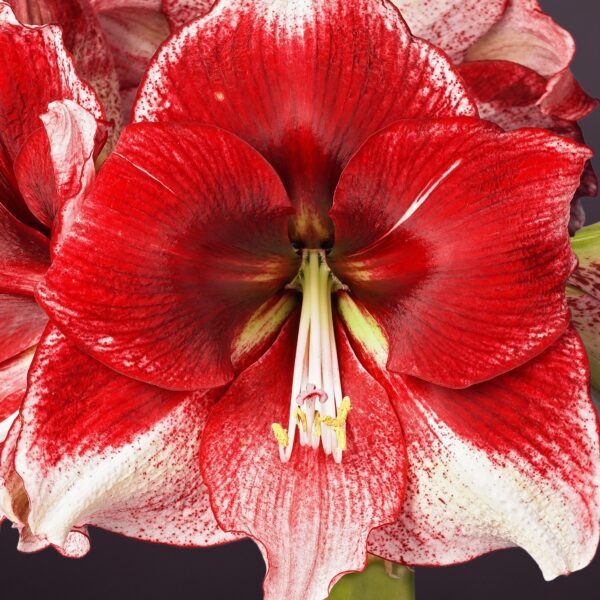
318,409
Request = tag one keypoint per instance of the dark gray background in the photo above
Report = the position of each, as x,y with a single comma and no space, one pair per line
119,568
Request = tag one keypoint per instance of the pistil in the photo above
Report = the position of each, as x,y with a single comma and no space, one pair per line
318,410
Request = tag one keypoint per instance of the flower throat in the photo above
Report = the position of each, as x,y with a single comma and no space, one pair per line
318,410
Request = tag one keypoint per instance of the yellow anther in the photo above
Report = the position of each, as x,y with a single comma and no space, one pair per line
300,418
345,408
317,424
338,424
281,434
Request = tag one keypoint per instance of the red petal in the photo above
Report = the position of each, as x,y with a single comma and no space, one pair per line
188,230
9,190
49,75
514,96
24,255
304,82
106,450
13,383
454,236
507,84
55,168
453,25
511,462
180,12
566,99
22,324
311,516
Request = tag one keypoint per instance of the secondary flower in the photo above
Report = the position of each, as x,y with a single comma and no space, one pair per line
111,42
49,136
514,59
302,321
583,294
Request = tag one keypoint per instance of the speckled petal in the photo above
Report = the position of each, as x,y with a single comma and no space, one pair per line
101,449
305,83
514,461
311,516
453,25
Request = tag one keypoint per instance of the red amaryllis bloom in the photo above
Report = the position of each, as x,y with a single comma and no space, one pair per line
514,59
318,302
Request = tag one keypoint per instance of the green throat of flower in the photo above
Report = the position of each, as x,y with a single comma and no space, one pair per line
318,409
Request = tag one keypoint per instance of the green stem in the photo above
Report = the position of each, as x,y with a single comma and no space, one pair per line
381,580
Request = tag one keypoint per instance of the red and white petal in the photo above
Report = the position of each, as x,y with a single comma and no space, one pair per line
180,12
310,516
13,500
55,169
454,235
41,71
23,322
305,83
134,29
14,504
102,449
509,94
24,255
511,462
527,36
586,245
453,25
188,230
76,545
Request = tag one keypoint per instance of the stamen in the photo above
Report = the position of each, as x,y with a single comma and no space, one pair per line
316,370
317,425
300,418
281,434
339,423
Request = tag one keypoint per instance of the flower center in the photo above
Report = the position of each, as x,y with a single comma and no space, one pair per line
318,410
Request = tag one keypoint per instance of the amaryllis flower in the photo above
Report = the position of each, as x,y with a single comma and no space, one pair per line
48,141
314,300
111,42
83,39
583,294
514,59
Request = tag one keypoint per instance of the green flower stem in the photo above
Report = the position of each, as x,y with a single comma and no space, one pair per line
381,580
